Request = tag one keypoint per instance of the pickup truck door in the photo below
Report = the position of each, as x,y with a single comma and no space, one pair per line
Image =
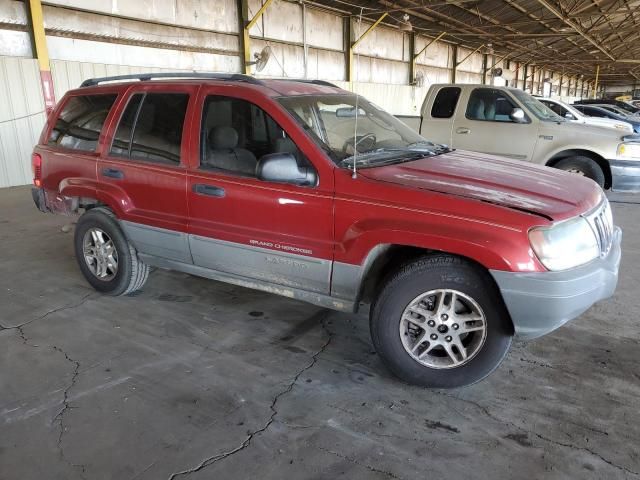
262,231
482,124
143,167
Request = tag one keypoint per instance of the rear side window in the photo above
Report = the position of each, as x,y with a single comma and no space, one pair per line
151,128
445,103
592,112
79,124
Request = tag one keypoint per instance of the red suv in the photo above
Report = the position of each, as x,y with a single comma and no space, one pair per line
305,190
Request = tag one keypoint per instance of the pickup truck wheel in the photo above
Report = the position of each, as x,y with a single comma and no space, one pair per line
584,166
106,258
440,322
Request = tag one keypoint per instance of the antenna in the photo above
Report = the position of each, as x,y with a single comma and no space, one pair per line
355,128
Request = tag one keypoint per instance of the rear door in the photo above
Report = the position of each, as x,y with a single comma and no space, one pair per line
436,122
485,126
276,233
144,168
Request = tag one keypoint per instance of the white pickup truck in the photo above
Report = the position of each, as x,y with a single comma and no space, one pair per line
510,123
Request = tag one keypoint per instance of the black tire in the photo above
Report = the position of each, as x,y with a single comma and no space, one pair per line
131,274
430,273
582,166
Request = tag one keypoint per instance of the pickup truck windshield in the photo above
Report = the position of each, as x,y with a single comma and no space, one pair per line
540,110
331,122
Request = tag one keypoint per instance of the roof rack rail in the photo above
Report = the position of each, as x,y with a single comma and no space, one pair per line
238,77
306,80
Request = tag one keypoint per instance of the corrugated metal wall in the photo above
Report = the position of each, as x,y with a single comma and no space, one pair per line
21,118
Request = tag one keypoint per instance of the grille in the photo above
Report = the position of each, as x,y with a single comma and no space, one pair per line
601,222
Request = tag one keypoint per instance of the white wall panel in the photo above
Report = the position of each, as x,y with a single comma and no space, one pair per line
325,65
61,48
62,19
324,29
382,42
271,24
219,15
21,118
438,54
396,99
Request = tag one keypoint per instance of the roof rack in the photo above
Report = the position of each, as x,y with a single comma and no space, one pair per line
148,76
305,80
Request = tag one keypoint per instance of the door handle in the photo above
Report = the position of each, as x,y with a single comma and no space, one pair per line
210,190
463,130
113,173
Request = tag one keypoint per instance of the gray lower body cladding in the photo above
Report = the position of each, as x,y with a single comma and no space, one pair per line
540,302
625,175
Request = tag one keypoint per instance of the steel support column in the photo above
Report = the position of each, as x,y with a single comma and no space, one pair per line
245,25
454,61
42,53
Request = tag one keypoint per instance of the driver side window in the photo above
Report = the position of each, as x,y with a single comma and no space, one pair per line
489,104
235,134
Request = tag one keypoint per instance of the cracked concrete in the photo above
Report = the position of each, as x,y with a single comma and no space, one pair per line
272,407
197,379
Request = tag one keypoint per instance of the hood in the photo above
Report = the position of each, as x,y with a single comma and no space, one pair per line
579,130
542,191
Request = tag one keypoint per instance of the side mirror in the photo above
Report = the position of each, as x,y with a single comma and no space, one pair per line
569,116
283,168
517,115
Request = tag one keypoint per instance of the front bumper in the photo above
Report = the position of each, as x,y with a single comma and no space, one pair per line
625,175
540,302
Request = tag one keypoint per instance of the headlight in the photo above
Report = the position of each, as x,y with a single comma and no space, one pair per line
565,245
630,151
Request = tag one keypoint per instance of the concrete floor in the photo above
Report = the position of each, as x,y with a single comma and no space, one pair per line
197,379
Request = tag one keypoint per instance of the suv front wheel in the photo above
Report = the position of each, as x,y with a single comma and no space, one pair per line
440,322
105,257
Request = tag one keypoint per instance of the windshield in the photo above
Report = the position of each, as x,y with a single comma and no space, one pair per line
536,107
331,122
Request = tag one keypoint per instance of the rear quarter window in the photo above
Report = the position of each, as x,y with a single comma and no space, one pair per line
445,102
79,124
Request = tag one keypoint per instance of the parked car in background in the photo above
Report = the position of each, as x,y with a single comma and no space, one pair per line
624,105
599,112
619,111
508,122
303,189
572,114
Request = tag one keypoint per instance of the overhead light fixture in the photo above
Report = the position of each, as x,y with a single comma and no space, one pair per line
406,23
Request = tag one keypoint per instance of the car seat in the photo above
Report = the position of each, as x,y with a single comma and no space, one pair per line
224,152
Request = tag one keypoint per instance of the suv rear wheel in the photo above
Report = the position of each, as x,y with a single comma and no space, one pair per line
440,322
106,258
584,166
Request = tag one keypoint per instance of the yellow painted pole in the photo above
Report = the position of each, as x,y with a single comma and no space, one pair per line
246,39
595,87
42,53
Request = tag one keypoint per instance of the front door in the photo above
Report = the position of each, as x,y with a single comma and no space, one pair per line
486,126
272,232
145,168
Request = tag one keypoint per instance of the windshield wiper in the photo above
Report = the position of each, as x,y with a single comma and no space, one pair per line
386,155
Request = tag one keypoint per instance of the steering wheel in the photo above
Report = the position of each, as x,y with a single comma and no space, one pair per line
369,140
